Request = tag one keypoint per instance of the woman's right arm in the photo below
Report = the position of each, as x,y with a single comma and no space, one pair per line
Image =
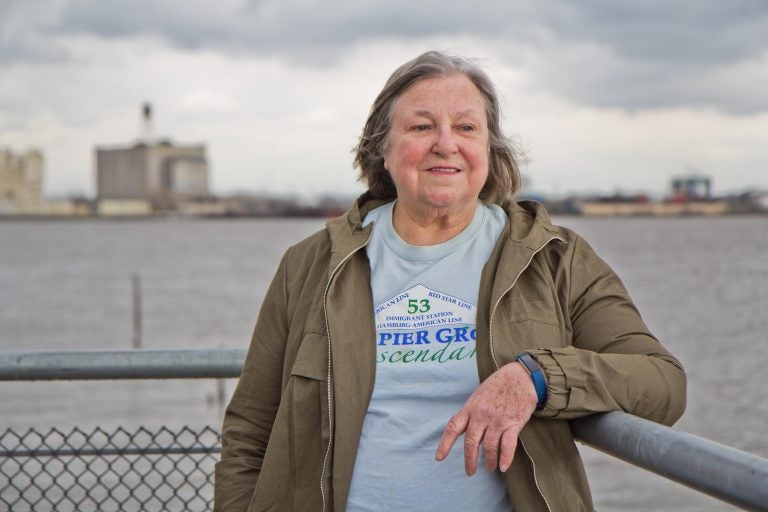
251,413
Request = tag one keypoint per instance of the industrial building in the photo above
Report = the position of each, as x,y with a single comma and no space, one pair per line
155,171
21,182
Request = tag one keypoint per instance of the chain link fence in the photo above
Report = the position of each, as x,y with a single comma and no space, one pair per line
121,470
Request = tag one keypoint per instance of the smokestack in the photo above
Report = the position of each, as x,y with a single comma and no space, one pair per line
146,118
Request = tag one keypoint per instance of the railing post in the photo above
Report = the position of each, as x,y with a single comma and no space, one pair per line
137,324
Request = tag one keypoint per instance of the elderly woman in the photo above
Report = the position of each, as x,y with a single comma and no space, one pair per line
436,308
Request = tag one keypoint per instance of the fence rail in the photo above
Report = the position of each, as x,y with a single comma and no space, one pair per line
122,364
725,473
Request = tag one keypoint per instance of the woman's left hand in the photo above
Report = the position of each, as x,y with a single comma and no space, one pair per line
494,414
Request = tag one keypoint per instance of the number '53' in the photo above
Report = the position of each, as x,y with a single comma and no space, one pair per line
418,306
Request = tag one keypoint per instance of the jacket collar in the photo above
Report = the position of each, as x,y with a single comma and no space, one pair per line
346,232
529,224
528,230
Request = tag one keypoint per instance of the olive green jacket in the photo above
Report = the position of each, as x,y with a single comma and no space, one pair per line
291,431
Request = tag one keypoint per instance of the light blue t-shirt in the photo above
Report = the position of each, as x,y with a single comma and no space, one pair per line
425,299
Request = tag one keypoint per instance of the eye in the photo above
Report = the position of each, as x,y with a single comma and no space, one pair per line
420,127
466,128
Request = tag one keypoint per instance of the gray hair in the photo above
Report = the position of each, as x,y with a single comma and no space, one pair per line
503,172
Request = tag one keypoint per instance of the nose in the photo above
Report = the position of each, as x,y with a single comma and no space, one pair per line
445,142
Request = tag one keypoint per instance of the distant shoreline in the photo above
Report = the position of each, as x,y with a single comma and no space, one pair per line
195,218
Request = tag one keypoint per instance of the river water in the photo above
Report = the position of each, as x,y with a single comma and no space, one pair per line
700,283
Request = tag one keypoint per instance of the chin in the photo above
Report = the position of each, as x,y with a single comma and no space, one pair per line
447,201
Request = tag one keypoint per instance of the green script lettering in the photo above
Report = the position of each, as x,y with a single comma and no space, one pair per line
457,354
422,356
443,355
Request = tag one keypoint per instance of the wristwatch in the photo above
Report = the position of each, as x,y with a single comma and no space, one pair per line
537,375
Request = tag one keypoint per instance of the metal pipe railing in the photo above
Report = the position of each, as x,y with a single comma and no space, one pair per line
725,473
122,364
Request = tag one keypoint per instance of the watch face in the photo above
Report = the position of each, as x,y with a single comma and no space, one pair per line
537,375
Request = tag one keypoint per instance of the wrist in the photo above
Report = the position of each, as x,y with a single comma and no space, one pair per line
537,376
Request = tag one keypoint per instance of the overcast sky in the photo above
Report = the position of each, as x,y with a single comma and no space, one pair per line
604,96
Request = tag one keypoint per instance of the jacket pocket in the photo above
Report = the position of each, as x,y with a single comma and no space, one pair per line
312,357
307,393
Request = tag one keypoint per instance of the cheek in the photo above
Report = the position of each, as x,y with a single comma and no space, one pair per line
405,156
480,158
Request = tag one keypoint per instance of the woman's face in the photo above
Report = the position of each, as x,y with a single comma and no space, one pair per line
438,147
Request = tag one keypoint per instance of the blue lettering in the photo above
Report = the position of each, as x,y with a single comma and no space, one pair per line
443,338
421,337
384,336
461,334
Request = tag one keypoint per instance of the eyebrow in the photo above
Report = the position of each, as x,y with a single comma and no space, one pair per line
461,113
464,113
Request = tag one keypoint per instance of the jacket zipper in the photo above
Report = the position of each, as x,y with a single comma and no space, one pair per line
496,363
328,377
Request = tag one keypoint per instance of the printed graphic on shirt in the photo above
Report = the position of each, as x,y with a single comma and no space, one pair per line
421,325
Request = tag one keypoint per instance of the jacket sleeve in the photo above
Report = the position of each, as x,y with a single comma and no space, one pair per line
251,413
614,362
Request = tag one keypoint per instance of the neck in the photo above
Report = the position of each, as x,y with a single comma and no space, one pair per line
430,226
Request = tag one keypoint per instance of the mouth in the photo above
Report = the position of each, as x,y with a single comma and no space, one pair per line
444,170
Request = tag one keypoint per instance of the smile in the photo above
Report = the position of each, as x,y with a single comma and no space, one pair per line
448,170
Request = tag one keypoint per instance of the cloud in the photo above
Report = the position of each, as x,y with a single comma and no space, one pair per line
633,55
205,100
23,28
704,31
697,30
654,55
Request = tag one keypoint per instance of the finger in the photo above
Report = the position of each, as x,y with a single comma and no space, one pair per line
453,429
507,448
472,438
491,448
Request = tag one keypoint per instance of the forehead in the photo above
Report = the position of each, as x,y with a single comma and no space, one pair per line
454,93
